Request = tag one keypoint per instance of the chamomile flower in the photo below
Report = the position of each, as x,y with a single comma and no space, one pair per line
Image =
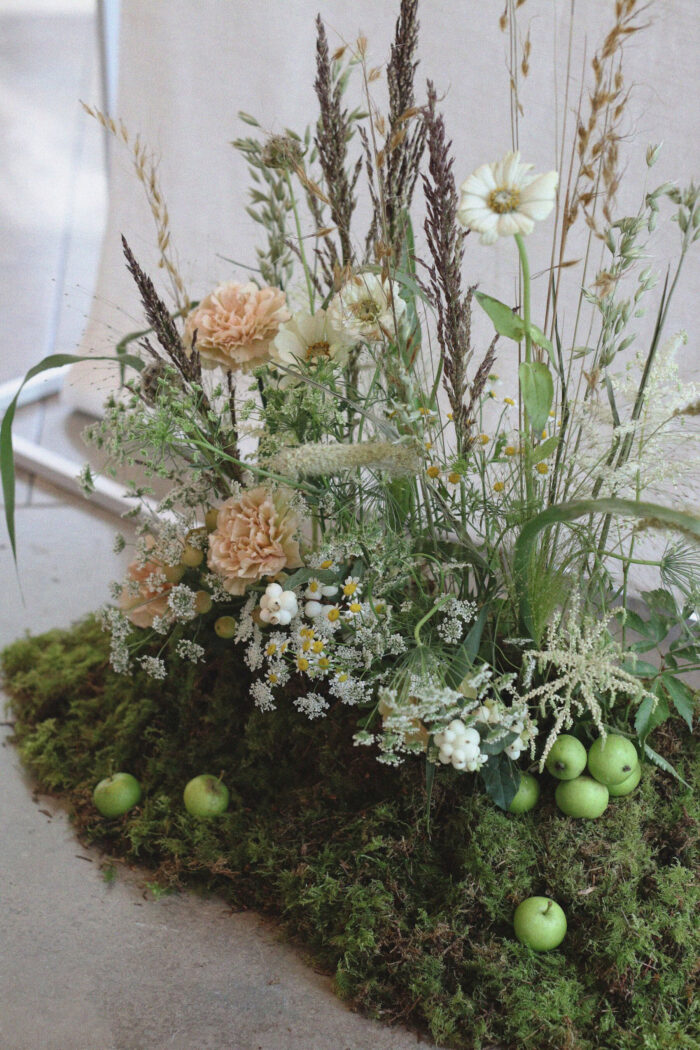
351,586
502,199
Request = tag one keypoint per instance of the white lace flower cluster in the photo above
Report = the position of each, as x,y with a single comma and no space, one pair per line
514,719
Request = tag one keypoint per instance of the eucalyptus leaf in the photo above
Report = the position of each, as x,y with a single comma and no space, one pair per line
504,320
327,576
537,391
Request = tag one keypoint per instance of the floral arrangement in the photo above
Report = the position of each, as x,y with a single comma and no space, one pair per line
352,504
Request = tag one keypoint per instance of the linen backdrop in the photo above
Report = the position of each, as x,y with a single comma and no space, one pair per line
186,68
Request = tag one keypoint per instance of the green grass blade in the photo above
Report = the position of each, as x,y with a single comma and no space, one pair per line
688,524
7,462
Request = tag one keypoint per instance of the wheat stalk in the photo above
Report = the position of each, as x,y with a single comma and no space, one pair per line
147,173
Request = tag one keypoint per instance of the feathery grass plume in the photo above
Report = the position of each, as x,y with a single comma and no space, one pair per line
320,458
147,173
404,143
332,135
598,136
445,239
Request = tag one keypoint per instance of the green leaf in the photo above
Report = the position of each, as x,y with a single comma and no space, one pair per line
501,780
544,449
504,320
564,512
327,576
639,668
463,660
663,764
497,742
537,390
661,601
540,339
642,718
681,697
7,462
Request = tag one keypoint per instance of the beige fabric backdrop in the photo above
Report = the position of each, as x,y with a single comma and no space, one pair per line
187,67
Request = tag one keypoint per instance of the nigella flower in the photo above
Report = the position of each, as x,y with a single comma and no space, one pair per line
503,198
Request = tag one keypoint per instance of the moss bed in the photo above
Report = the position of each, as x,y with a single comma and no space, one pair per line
414,924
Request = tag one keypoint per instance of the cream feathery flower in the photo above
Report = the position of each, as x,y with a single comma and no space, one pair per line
235,324
321,458
311,338
503,198
368,307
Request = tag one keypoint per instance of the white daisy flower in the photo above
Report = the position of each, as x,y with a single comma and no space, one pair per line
368,307
309,339
503,198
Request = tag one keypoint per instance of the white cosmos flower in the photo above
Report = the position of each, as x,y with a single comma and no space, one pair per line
503,198
310,338
368,307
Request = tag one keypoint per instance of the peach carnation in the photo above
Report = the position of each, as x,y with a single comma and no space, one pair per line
145,594
254,537
235,324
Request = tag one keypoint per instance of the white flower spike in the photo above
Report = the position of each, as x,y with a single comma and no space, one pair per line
503,198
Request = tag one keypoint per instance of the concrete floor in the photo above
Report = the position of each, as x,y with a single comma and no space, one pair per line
85,965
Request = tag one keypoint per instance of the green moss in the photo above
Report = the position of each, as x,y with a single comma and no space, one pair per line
416,927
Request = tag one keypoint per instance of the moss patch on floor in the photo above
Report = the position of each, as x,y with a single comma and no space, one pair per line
415,925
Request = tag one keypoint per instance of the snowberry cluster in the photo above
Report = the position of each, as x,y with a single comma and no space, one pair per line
278,606
494,714
459,746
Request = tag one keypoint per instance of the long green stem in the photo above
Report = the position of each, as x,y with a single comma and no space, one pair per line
525,267
302,253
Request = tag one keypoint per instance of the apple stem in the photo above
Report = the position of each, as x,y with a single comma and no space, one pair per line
549,905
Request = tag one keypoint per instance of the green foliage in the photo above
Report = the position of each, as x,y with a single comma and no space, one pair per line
414,924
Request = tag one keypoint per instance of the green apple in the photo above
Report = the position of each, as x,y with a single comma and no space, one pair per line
117,794
611,760
205,796
225,626
539,923
527,794
627,786
567,757
582,797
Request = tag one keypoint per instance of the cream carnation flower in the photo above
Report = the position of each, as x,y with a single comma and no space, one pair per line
235,324
311,338
502,199
368,307
254,537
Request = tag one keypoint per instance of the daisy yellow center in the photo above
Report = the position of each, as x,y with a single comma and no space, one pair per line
366,310
504,199
314,350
